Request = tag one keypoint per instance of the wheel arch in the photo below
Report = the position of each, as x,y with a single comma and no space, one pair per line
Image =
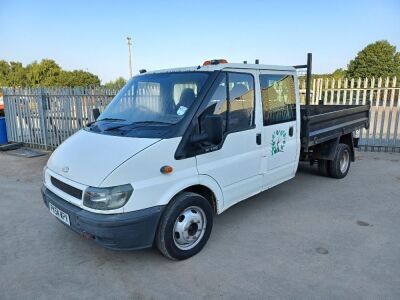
206,193
207,187
327,150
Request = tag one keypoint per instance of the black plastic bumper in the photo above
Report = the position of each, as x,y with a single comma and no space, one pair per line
125,231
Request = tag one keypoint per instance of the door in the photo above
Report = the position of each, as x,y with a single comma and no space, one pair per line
280,127
235,163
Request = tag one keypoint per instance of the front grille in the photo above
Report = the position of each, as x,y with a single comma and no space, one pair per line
70,190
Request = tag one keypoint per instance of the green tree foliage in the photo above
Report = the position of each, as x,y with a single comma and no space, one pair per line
117,84
44,73
76,78
339,73
16,75
379,59
4,71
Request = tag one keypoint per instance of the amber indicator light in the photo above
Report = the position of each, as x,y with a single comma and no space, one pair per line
166,169
215,62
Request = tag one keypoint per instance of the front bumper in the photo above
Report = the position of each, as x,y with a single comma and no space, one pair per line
124,231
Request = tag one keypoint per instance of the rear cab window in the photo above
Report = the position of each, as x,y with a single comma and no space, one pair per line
278,98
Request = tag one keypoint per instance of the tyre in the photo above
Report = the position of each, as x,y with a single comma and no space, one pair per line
323,167
185,226
340,165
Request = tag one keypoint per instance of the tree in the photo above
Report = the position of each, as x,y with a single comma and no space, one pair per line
4,71
339,73
43,73
379,59
17,75
117,84
76,78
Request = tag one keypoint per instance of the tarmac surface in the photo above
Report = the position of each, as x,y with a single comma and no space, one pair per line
311,237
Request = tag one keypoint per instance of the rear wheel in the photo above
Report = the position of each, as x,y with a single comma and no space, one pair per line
340,165
185,226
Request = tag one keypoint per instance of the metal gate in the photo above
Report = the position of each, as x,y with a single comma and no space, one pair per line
45,117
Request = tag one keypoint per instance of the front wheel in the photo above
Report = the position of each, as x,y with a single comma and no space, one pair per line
340,165
185,226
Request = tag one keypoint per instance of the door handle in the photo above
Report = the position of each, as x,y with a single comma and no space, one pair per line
258,138
291,131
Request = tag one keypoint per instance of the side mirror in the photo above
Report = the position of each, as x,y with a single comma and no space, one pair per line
96,113
213,130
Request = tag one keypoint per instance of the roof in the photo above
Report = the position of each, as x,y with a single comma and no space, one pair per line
226,66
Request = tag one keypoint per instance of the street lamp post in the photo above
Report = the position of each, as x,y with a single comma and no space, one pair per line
129,56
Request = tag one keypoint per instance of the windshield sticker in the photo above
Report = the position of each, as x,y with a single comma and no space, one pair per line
181,110
278,141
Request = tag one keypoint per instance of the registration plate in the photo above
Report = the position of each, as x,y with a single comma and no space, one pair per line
59,214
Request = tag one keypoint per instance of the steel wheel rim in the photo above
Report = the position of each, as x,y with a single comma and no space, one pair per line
189,228
344,161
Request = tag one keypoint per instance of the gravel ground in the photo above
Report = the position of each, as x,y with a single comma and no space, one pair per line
311,237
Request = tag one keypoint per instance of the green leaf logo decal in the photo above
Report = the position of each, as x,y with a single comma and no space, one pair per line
278,141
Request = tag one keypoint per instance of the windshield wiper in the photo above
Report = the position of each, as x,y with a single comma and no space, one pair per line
152,122
110,119
138,123
105,119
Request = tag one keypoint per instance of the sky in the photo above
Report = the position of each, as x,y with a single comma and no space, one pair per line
91,35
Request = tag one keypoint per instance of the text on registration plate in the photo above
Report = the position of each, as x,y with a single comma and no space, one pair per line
59,214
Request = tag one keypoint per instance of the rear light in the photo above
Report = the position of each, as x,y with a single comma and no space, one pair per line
215,62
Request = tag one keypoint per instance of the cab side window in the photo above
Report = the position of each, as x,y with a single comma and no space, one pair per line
238,111
278,99
241,101
218,102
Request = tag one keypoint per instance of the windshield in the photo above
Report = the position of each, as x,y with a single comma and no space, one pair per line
155,98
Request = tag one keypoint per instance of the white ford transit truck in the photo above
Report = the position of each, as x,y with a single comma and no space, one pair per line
176,147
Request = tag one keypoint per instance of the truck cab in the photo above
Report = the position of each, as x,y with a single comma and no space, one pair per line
175,148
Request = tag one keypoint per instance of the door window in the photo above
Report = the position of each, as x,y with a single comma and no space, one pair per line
241,101
217,104
278,99
238,111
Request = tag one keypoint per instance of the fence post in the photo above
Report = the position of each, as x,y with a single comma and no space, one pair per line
332,91
389,122
7,114
42,105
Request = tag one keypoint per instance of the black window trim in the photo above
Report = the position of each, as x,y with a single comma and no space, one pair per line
193,126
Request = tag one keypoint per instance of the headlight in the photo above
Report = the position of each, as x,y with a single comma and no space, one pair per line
107,198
